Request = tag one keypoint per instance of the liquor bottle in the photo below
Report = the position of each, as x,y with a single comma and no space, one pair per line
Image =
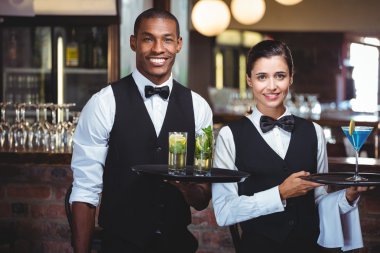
98,55
85,48
37,47
72,51
12,49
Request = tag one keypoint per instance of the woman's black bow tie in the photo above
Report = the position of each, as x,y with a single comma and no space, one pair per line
268,123
163,92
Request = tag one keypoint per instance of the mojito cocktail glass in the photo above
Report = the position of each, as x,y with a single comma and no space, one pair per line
177,153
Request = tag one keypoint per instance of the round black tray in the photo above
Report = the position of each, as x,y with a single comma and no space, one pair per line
216,176
339,178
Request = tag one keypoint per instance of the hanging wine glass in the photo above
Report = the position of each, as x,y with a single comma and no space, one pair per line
4,127
54,129
45,139
19,130
66,128
39,132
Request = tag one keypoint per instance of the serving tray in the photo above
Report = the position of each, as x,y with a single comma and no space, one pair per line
339,178
217,175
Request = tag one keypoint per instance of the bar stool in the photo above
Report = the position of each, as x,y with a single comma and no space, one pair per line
96,240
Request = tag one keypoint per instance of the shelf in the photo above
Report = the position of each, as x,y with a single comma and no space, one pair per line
47,71
84,71
27,70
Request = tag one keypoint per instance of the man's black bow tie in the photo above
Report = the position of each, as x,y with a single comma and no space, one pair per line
162,91
268,123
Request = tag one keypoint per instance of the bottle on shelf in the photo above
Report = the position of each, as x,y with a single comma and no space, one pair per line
72,51
37,47
86,49
98,56
12,49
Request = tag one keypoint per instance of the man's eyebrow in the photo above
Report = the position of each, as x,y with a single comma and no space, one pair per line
164,35
146,33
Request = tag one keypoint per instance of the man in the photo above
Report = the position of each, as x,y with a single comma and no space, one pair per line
126,124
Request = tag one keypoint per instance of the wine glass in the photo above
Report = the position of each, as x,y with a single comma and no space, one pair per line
20,129
357,139
46,126
38,136
65,128
4,127
54,130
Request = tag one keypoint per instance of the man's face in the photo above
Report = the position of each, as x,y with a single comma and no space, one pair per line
156,45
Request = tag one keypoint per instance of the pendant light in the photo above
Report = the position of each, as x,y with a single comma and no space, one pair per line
248,12
210,17
288,2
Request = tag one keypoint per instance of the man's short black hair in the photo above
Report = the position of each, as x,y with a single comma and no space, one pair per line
155,13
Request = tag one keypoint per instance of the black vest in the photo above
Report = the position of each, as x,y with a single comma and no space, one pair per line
133,206
267,169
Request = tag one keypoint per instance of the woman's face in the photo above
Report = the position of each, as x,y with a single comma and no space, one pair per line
270,80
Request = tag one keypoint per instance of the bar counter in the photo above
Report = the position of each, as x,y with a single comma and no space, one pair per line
33,219
32,191
32,214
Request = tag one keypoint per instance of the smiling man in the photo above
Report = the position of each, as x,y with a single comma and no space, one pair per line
127,124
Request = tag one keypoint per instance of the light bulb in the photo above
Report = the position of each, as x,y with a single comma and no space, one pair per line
288,2
210,17
248,12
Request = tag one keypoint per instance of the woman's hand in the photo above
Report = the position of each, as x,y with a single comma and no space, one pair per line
353,192
295,186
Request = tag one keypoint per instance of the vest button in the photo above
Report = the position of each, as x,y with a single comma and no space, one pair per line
291,222
158,149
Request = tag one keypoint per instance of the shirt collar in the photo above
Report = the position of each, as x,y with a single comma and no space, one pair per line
141,81
256,114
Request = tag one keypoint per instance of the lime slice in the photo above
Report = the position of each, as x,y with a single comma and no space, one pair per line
351,129
198,144
177,139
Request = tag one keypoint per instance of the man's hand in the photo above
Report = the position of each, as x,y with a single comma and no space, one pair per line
197,195
295,186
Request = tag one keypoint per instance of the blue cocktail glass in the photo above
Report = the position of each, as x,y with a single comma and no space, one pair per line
357,139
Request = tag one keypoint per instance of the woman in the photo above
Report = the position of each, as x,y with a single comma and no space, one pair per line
275,207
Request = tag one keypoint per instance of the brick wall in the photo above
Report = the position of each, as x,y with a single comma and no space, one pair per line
32,207
32,211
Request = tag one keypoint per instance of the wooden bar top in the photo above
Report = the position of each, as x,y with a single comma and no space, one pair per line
337,164
34,157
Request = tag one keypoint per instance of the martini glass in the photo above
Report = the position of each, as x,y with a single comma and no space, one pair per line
357,139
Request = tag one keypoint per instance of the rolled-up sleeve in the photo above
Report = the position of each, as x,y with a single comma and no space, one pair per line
91,147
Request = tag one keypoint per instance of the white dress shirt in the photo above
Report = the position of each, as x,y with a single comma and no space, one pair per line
230,208
94,127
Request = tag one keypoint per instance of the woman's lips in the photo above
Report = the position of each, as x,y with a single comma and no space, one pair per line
272,96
